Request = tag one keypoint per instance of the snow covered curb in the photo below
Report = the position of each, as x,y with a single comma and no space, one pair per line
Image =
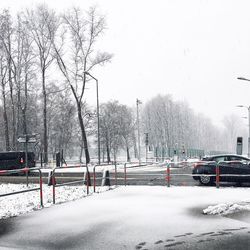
18,204
227,208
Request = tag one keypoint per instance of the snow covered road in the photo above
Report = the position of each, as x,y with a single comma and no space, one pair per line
133,217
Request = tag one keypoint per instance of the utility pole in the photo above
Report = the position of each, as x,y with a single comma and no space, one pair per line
98,117
138,130
146,145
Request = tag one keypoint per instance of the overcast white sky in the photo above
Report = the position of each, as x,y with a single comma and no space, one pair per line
194,50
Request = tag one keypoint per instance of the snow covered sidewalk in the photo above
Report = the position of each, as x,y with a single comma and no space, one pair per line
133,217
18,204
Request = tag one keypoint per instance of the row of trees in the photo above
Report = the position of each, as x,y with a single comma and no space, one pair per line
38,46
169,124
173,124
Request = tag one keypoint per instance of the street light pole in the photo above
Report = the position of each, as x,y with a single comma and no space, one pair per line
98,117
248,108
138,129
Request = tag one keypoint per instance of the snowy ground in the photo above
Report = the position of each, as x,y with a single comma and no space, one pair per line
134,217
18,204
15,205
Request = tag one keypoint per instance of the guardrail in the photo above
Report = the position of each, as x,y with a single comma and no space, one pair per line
26,171
54,185
133,166
168,173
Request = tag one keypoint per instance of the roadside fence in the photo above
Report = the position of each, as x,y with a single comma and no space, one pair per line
166,174
216,174
52,179
25,171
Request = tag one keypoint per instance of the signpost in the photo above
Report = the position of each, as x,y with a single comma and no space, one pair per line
27,139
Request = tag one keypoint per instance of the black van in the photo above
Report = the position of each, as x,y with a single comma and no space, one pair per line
16,160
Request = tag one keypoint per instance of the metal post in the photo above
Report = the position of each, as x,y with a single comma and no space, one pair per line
41,187
87,181
94,178
54,188
217,170
98,123
125,174
26,159
138,130
115,174
98,117
168,174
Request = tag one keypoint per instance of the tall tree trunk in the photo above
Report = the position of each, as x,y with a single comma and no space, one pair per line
45,129
81,151
128,154
108,151
84,137
5,119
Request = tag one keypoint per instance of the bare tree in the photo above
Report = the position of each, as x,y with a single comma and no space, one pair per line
6,41
117,128
83,32
43,23
3,72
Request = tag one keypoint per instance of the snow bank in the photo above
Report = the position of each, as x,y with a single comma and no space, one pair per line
18,204
227,208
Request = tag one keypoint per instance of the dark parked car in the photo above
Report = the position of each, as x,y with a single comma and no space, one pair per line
16,160
231,164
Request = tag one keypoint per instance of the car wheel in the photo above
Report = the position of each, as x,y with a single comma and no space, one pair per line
205,180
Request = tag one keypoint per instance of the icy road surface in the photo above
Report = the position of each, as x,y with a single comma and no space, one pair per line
133,217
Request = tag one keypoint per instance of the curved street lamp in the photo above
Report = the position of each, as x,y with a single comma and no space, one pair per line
98,117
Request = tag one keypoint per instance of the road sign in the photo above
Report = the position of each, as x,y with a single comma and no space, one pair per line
21,140
27,139
31,140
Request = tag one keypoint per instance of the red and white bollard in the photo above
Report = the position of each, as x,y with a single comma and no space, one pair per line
168,175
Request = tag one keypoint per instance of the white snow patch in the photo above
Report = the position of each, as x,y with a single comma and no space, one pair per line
227,208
